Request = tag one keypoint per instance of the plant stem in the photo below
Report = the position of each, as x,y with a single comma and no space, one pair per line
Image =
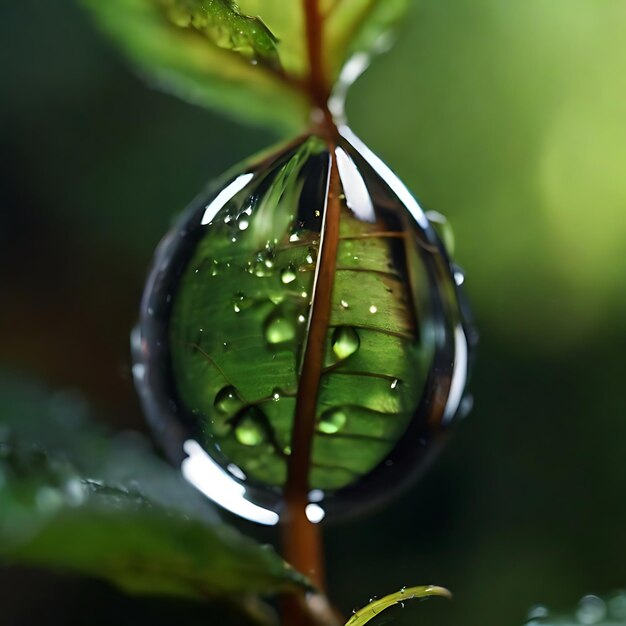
301,539
302,543
318,87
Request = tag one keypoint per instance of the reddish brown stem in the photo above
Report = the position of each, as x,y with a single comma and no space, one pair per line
301,539
318,87
302,543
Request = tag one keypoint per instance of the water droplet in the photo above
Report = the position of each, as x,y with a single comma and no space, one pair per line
332,421
443,229
288,275
249,431
345,341
539,611
617,606
591,610
459,275
240,302
276,298
287,450
227,400
74,492
316,495
276,311
373,309
278,328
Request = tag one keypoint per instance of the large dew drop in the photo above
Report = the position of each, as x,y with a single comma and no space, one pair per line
266,277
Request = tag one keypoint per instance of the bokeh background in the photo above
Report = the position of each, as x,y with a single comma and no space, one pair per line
507,116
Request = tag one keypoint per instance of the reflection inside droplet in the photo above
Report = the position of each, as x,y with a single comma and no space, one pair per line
332,421
345,341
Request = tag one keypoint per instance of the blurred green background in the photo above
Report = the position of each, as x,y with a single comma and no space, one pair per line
508,116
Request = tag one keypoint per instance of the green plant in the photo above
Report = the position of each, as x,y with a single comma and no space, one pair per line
156,534
346,384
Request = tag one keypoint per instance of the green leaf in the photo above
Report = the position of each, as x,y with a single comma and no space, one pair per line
207,52
369,612
213,53
72,500
221,22
286,19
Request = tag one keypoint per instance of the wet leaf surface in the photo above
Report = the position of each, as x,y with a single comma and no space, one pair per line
73,500
206,52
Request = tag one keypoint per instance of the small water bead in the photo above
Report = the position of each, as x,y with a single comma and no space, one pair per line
241,302
311,256
591,610
617,606
373,309
459,275
332,421
288,275
344,304
345,341
279,328
249,430
539,611
228,401
441,224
